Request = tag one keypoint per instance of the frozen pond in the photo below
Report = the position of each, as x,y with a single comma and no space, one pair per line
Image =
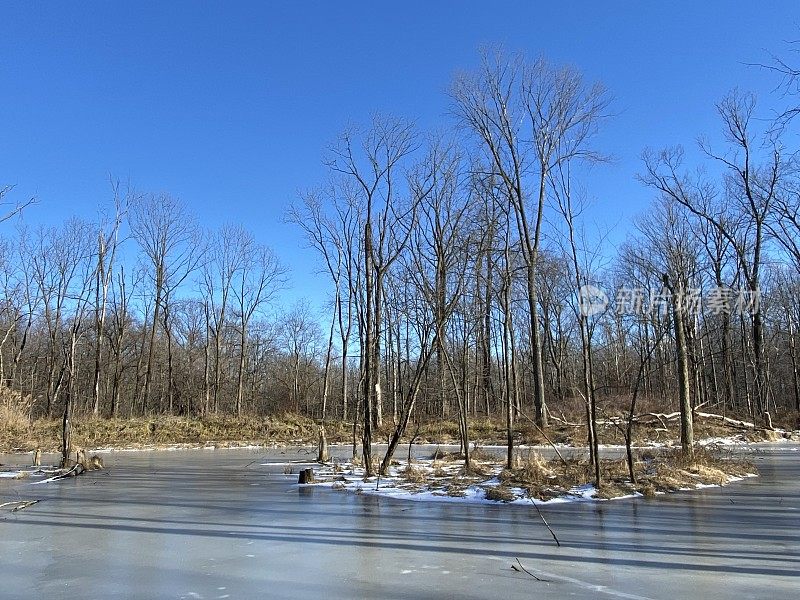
221,524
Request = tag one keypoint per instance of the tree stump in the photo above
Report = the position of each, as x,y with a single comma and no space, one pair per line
306,476
323,456
516,463
37,457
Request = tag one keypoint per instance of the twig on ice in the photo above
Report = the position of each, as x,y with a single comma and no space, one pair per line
541,516
524,570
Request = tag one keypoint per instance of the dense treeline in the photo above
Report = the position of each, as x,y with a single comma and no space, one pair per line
467,280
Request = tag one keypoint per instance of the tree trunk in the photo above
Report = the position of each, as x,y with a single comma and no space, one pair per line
678,322
367,349
66,433
793,357
240,373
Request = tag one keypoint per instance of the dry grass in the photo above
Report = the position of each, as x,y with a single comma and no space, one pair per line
15,419
655,471
671,470
18,433
481,454
413,474
530,470
456,490
534,467
710,474
476,469
15,409
491,431
500,493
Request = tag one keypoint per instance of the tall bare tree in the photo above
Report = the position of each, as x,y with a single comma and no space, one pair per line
167,236
529,117
108,240
223,265
373,161
740,208
260,278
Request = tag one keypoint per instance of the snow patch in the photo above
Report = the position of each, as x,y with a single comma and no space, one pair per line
394,486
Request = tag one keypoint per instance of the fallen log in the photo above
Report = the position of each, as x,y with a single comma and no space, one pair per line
728,420
76,470
662,418
563,420
18,504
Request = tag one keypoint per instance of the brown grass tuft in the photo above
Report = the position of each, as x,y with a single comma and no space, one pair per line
500,493
15,409
648,490
414,475
476,470
710,474
532,469
483,455
456,490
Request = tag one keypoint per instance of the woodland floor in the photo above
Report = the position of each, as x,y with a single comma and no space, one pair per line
22,435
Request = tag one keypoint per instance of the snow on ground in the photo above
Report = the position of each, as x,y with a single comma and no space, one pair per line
27,473
702,486
434,482
396,486
731,440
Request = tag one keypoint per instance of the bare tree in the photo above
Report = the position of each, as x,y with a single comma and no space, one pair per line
11,209
422,332
668,251
439,242
300,336
259,279
323,235
167,236
530,117
121,328
223,265
373,161
570,210
742,213
107,243
58,257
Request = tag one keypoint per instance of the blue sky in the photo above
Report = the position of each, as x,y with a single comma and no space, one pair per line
229,105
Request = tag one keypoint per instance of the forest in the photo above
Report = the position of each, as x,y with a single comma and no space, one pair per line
461,272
